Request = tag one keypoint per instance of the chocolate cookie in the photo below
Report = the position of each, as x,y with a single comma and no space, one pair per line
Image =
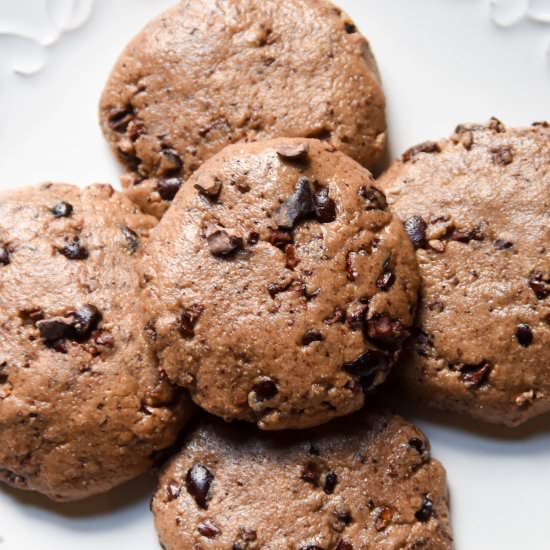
477,209
83,405
281,286
208,73
358,483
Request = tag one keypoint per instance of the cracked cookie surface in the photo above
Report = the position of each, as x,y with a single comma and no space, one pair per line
359,483
280,286
208,73
477,208
83,406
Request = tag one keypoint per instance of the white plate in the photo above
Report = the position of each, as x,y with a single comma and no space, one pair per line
443,62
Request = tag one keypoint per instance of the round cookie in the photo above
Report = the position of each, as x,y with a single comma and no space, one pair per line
357,483
280,285
83,405
477,207
208,73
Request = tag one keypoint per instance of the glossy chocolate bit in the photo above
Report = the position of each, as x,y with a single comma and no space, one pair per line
503,244
539,285
168,188
524,335
221,243
312,336
415,227
170,163
368,363
4,256
465,236
426,147
299,205
75,250
265,389
198,482
208,529
173,491
329,484
387,278
325,207
374,198
62,210
189,319
55,328
280,239
418,444
120,118
382,329
426,511
476,375
293,151
131,237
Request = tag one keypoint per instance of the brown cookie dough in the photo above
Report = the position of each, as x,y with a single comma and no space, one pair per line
477,207
365,482
207,73
281,286
83,406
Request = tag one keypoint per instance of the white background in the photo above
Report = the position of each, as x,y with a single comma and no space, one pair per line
442,62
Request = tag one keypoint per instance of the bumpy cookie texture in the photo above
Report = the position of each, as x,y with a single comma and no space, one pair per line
477,209
83,405
280,285
362,483
208,73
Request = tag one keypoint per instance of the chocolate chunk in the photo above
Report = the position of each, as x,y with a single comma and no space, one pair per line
198,482
426,511
208,529
387,278
325,207
298,205
189,319
131,238
311,474
55,328
62,210
210,186
343,545
524,335
383,329
343,517
280,238
86,318
368,363
74,250
417,444
173,491
253,238
350,28
331,479
170,163
416,229
475,375
293,151
265,389
423,344
104,338
501,244
474,234
120,118
167,188
503,155
539,285
4,256
426,147
374,198
312,336
221,243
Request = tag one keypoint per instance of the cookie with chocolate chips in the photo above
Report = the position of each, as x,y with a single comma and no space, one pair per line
280,285
206,74
83,405
364,482
476,207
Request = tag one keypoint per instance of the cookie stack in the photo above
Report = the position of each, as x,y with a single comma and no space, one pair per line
253,268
